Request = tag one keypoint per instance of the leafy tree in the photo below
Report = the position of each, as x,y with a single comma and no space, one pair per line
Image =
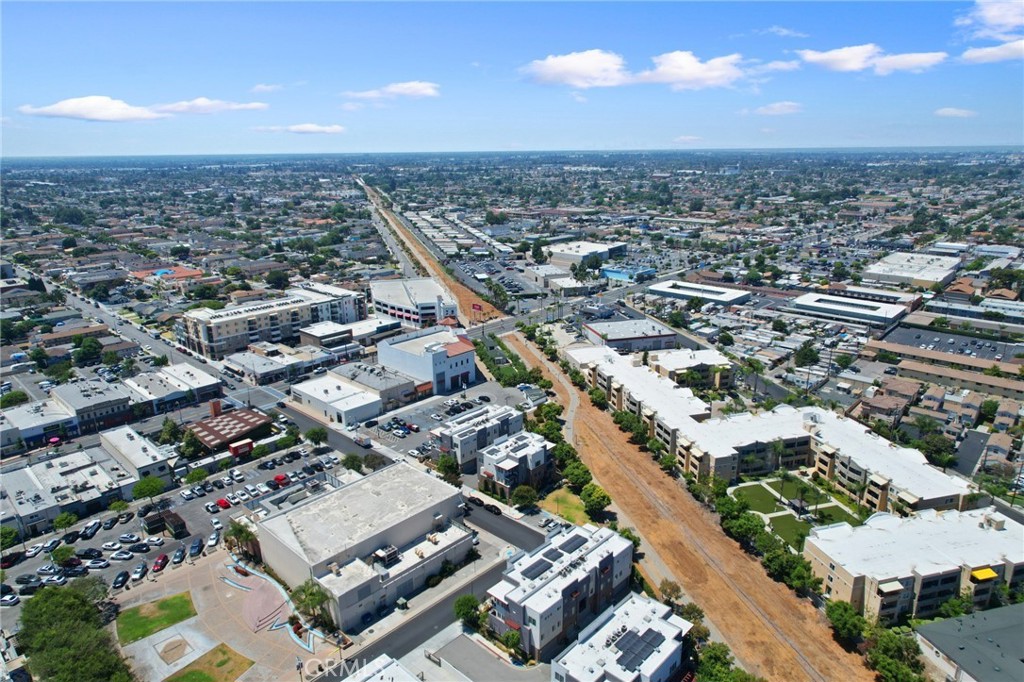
537,252
92,588
38,355
806,354
564,454
160,361
197,475
64,521
896,658
191,447
988,410
238,534
957,606
60,555
668,462
524,496
725,339
170,432
277,279
148,486
632,536
670,590
467,609
779,325
317,435
744,528
8,537
577,474
90,351
844,361
510,638
594,499
118,506
448,468
13,398
352,461
310,598
260,451
847,623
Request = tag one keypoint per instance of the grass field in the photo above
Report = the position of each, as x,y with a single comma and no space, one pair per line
564,503
788,527
220,664
757,497
142,621
788,490
835,514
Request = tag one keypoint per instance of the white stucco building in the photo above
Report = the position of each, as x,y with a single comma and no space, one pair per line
437,355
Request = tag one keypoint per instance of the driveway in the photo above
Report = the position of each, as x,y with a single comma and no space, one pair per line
479,662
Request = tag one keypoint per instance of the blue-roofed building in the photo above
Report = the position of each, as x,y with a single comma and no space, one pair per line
628,273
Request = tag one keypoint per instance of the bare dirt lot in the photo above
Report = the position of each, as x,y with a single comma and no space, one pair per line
772,633
464,296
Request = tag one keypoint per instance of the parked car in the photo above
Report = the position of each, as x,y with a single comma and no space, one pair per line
51,545
179,555
31,588
211,507
48,569
213,539
186,495
27,579
493,508
33,550
76,571
196,547
91,529
126,517
129,538
232,498
223,504
110,523
111,546
155,541
217,525
122,555
9,600
120,580
89,553
475,501
96,564
140,571
145,509
139,548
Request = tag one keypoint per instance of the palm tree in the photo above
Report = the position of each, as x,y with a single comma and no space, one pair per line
310,598
239,535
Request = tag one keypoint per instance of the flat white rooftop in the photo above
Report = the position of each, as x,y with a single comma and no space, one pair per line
341,395
712,294
409,293
134,447
416,343
325,526
888,546
629,329
684,358
920,266
582,248
850,308
382,669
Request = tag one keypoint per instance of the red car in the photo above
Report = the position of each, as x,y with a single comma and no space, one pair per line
282,480
160,562
223,504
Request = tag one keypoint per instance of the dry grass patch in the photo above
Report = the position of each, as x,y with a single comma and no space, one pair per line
219,664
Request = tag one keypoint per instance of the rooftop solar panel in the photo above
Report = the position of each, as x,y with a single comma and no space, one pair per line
536,570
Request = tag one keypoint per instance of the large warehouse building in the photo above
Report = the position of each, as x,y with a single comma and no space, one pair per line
913,269
368,543
723,296
848,309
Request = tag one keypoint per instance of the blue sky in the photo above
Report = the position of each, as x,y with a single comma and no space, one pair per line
230,77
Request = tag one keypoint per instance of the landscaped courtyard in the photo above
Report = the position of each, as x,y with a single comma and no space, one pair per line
220,664
564,503
791,491
790,528
835,514
143,620
759,499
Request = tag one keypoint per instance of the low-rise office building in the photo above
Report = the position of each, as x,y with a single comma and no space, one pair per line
892,567
436,354
393,388
171,387
336,400
368,543
550,594
542,275
33,424
337,337
523,458
221,429
909,300
264,363
723,296
705,368
848,309
417,303
631,335
974,647
913,269
566,254
464,436
381,669
96,405
138,455
637,640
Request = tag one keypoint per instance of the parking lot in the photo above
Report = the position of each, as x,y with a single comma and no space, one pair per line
951,342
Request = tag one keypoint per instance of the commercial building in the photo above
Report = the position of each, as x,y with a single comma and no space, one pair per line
573,253
95,405
381,669
33,424
723,296
221,429
893,567
217,333
550,594
637,640
265,362
848,309
416,303
435,354
542,275
976,647
631,335
393,388
628,273
909,300
464,436
339,337
568,287
913,269
338,401
523,458
172,386
368,543
138,455
693,368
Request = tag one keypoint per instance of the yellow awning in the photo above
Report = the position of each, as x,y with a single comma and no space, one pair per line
984,574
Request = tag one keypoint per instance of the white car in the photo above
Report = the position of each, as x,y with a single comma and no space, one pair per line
9,600
232,498
129,538
242,495
33,550
217,525
237,476
213,539
186,495
58,579
122,555
262,487
436,417
227,480
111,546
414,453
155,541
211,507
95,564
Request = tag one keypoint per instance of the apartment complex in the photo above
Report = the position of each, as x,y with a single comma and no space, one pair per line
631,335
692,368
1002,386
892,567
437,355
370,542
523,458
417,303
217,333
464,436
550,594
637,640
974,647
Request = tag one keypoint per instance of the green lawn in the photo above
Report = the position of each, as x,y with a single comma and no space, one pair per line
142,621
788,526
564,503
836,514
220,664
788,490
757,497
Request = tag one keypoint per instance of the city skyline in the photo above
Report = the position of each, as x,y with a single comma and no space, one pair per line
84,79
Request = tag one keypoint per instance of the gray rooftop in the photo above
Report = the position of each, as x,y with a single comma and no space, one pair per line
985,644
375,377
629,329
88,394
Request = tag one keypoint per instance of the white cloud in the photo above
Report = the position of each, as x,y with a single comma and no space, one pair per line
687,139
411,89
266,87
205,105
352,106
782,32
915,62
93,108
995,19
953,112
303,129
769,67
780,109
854,58
578,97
998,53
588,69
682,70
861,57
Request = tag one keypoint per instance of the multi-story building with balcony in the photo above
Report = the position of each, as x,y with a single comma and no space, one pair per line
464,436
523,458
